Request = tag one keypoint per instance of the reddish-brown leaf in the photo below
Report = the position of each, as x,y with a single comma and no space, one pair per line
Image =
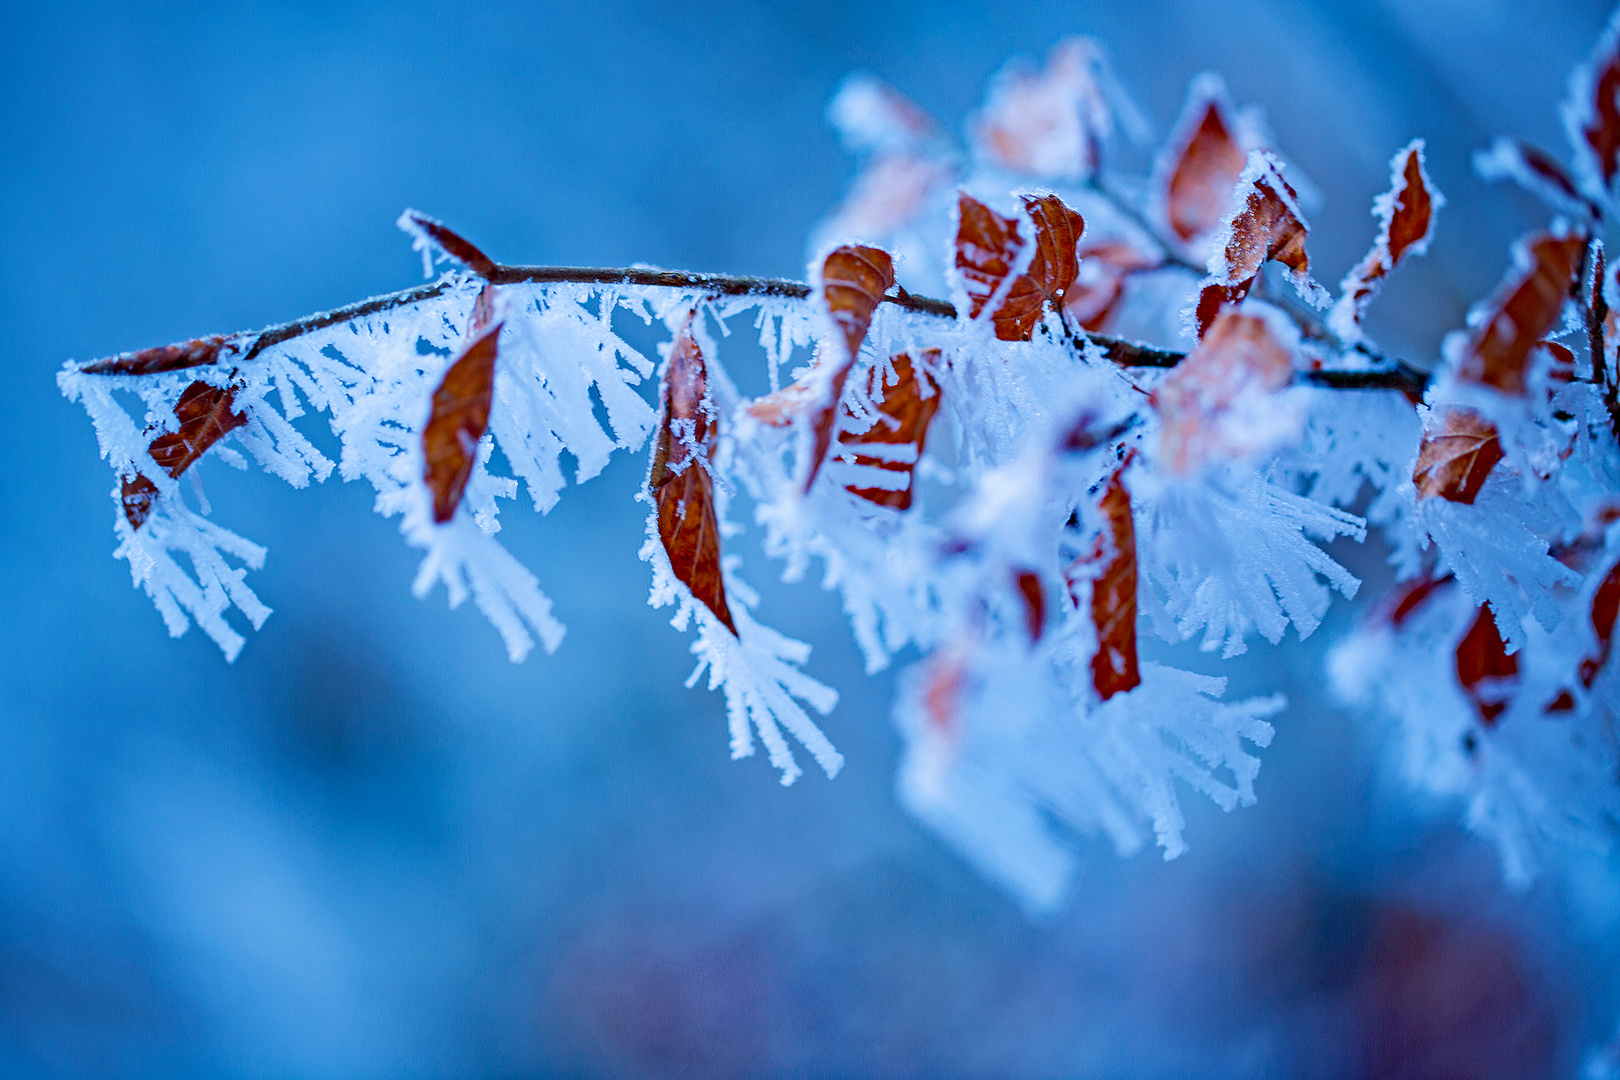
1605,612
1407,222
1266,227
1113,595
1204,174
781,407
1596,111
1413,219
907,407
1048,123
1239,356
1481,655
987,245
454,245
944,680
1535,170
459,416
138,495
1033,595
679,479
185,354
1562,367
1454,462
853,281
1411,596
1499,348
205,417
1100,284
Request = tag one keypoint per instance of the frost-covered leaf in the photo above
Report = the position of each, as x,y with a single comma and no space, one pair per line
1526,307
988,247
1604,612
893,444
1051,124
428,233
1217,404
1592,114
1484,666
853,281
186,354
680,481
873,117
1033,595
1536,171
1113,595
1406,214
1263,225
1099,286
1454,462
1207,157
457,421
206,416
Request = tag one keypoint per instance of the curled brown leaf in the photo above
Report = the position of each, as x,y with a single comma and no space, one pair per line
1406,215
1523,312
1265,226
679,478
205,417
853,281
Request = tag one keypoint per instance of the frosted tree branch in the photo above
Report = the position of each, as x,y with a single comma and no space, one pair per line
1397,375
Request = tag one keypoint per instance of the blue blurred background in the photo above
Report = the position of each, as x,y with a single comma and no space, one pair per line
373,847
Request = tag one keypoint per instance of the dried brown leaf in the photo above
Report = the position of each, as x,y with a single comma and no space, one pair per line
205,417
1033,595
1114,668
906,408
1498,350
679,478
1241,355
1204,175
1266,226
1593,113
457,421
137,495
1482,655
987,247
1454,463
1100,284
185,354
454,244
1407,214
853,281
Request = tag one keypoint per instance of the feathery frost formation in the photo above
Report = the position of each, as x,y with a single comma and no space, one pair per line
1007,493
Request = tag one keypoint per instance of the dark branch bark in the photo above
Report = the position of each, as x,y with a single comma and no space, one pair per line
1123,353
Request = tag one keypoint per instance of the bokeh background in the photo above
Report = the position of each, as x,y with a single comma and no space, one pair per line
373,847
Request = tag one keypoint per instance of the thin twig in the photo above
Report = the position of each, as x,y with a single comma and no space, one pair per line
1117,350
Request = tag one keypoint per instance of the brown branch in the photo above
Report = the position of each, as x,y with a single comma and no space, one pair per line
1117,350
